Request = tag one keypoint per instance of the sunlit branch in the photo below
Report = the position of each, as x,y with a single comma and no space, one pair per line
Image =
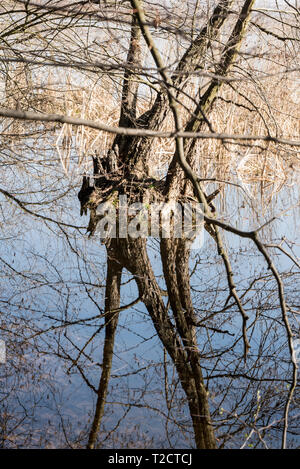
63,119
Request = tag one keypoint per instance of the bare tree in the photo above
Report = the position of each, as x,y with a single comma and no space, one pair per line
212,70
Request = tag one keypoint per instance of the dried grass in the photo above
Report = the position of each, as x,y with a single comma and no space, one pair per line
245,108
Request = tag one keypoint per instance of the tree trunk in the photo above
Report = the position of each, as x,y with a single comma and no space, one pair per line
180,341
133,158
112,303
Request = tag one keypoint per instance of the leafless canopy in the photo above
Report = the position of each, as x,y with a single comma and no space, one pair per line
184,102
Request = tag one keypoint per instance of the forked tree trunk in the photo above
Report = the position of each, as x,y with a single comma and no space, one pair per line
180,342
132,155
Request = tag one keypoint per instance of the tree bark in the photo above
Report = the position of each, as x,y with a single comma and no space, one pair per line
112,303
180,341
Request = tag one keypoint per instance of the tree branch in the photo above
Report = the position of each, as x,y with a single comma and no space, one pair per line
63,119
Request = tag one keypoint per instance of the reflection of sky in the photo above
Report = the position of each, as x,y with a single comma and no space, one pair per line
54,287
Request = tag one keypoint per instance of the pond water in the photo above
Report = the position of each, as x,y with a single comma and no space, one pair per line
52,294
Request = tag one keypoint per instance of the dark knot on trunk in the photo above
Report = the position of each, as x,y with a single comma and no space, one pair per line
84,194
